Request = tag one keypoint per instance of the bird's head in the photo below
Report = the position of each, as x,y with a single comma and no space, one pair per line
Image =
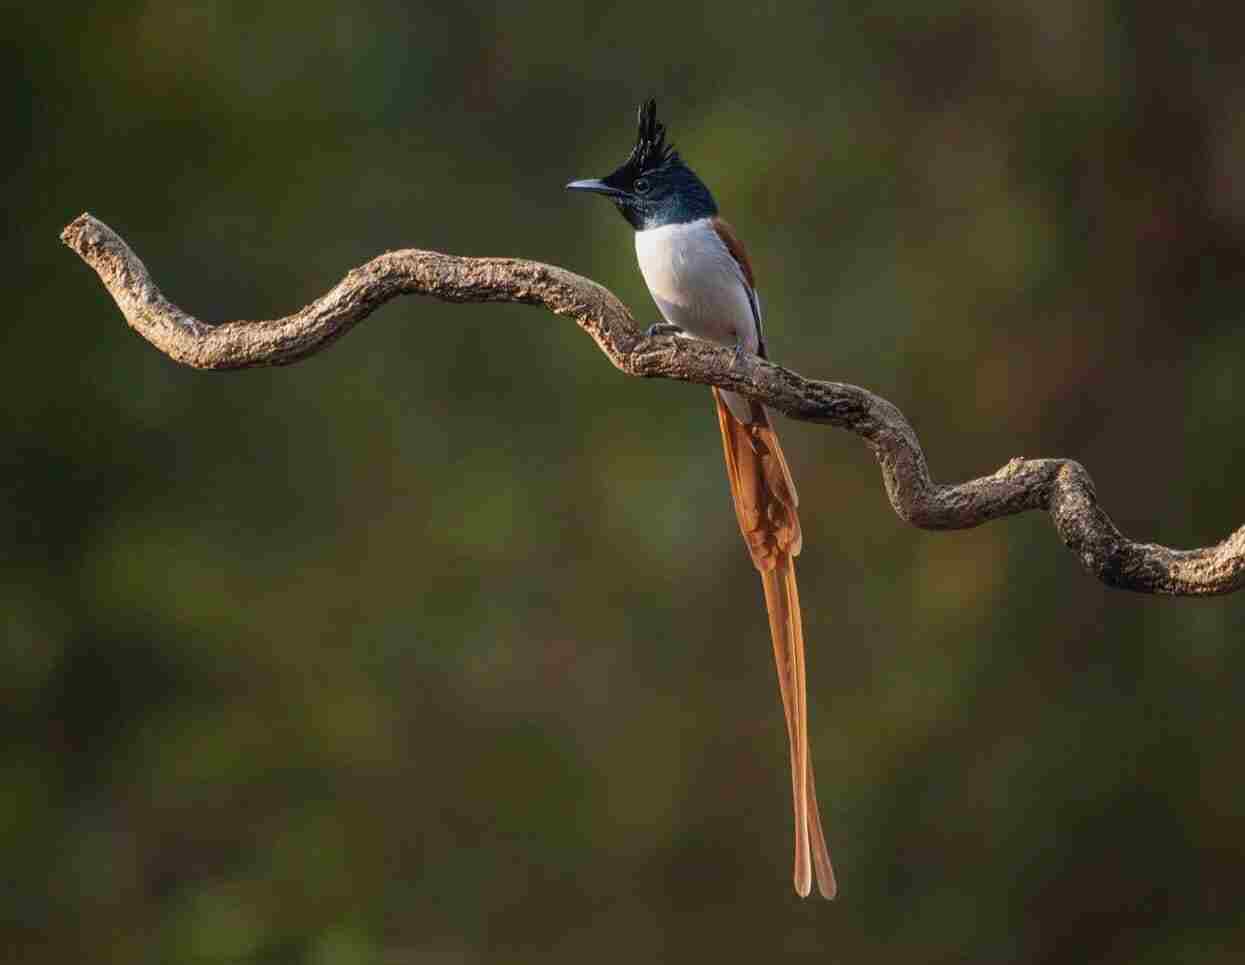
653,187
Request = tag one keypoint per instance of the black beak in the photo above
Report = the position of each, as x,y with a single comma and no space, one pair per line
596,186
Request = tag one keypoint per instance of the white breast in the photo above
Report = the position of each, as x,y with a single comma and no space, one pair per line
696,283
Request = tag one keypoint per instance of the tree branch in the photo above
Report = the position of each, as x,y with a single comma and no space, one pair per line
1060,486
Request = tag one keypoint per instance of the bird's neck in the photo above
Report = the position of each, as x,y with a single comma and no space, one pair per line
689,201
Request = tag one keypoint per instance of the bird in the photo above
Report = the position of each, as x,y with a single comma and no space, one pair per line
701,279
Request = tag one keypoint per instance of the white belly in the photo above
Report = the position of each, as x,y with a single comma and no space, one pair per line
696,283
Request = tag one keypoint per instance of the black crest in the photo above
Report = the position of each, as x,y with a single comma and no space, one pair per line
651,150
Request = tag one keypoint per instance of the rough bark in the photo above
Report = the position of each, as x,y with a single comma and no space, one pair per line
1061,487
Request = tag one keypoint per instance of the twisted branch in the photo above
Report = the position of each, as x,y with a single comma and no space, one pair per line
1060,486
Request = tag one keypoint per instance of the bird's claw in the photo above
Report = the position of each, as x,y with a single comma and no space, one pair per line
662,328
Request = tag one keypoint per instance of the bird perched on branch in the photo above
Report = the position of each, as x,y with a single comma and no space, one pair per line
699,275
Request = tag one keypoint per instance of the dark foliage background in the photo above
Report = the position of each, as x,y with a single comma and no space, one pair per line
442,647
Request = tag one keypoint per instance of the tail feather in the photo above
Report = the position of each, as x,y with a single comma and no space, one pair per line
826,882
790,688
785,631
765,504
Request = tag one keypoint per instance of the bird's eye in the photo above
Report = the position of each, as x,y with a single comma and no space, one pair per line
641,185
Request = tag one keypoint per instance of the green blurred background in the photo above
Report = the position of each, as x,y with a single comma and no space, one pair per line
442,646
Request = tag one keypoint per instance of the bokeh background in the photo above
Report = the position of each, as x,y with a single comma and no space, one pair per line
442,646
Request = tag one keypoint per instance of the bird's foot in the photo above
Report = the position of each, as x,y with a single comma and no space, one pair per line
662,328
739,355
